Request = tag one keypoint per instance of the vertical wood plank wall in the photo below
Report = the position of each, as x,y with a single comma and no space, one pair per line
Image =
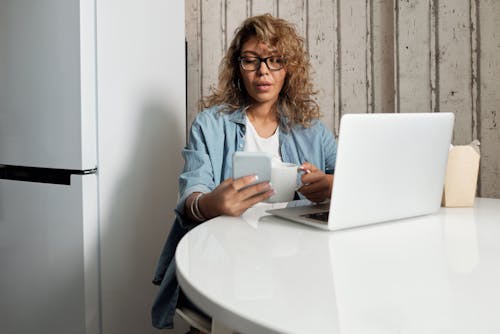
377,56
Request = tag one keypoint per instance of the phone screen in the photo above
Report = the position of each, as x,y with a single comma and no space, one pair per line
252,163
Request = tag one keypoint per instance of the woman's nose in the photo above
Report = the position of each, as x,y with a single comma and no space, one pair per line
263,69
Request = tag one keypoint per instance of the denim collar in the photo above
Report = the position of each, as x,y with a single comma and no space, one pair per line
238,116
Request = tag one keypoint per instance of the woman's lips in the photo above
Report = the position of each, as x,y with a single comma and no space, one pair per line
263,86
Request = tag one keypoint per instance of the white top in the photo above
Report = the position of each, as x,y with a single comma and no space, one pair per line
432,274
256,143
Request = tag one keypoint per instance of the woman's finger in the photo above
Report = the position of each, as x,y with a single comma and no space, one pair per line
253,190
258,198
308,167
244,181
312,177
319,190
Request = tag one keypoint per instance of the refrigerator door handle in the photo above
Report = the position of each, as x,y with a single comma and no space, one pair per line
41,175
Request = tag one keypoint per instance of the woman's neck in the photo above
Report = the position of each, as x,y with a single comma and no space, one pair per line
262,112
264,119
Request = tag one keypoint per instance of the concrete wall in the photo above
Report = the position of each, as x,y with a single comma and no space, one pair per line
378,56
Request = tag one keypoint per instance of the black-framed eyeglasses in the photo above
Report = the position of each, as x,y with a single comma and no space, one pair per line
252,63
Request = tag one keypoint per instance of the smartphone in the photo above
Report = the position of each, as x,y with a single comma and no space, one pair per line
252,163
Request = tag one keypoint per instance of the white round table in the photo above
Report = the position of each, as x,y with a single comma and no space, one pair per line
433,274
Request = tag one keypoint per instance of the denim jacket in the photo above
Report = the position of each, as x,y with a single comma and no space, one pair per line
215,135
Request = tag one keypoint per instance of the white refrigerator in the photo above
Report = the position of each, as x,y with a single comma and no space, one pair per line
92,119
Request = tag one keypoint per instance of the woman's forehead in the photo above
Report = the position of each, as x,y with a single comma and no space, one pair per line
253,44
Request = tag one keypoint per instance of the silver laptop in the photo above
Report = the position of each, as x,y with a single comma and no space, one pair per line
388,166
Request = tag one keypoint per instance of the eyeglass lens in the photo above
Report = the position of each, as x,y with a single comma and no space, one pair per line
253,63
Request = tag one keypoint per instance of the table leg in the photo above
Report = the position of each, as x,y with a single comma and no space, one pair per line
219,328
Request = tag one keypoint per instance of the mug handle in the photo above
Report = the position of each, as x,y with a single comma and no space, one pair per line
305,171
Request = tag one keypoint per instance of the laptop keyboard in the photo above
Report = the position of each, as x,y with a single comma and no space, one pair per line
321,216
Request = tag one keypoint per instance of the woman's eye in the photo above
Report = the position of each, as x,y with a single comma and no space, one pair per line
249,61
276,60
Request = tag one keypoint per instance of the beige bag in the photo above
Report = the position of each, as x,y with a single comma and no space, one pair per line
461,176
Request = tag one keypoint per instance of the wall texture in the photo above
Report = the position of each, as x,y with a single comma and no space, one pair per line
378,56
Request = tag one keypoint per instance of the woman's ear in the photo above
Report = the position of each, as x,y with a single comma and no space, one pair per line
238,84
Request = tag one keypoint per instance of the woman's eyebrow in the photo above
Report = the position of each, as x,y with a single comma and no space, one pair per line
250,52
271,52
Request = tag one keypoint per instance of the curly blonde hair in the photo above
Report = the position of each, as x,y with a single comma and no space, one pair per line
296,97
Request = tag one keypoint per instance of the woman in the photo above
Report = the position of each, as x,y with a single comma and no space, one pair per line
263,102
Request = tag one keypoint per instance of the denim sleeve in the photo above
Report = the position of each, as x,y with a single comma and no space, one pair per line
197,175
330,150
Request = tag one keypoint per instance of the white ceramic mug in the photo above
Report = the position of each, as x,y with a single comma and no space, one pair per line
283,181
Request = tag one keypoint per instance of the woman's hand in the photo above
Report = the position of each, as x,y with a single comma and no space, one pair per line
317,186
231,197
